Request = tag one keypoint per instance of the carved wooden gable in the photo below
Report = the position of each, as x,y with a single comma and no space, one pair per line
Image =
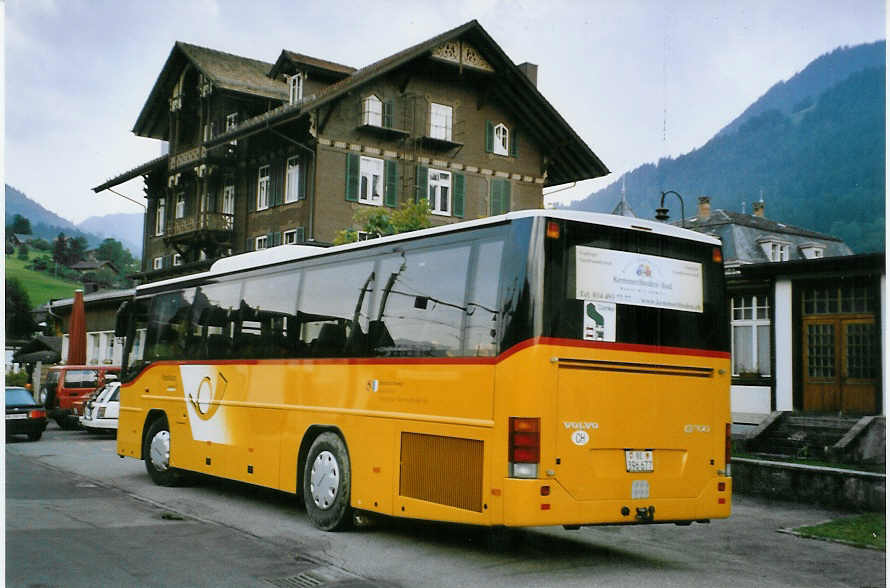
461,53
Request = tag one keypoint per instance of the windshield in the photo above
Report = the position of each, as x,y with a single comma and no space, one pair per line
629,286
18,397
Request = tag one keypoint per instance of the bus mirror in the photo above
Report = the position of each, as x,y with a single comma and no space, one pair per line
122,319
421,302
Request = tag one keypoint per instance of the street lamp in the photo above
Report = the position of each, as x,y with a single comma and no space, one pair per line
662,212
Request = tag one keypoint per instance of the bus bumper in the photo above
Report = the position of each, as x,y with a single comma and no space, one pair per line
529,503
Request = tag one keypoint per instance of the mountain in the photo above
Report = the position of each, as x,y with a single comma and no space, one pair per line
812,148
126,228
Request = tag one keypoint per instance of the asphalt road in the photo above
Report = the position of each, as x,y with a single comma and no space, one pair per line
78,515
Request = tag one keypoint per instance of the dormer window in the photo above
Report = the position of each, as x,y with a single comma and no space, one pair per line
372,111
295,83
501,139
775,250
812,250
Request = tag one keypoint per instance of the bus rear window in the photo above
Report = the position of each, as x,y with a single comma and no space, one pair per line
623,286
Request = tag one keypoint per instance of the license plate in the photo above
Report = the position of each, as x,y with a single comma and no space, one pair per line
638,461
16,416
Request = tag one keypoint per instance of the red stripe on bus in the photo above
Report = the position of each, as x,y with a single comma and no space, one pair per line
612,347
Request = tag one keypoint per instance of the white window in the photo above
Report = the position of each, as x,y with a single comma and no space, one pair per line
501,139
372,111
177,259
440,121
228,203
108,348
290,237
295,83
157,263
775,250
209,131
180,205
750,335
371,181
439,192
262,242
160,216
292,180
262,189
231,123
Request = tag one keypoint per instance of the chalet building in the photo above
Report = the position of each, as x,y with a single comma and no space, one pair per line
806,317
266,154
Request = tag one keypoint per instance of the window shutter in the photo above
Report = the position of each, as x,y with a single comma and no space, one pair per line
495,198
505,196
352,172
248,244
489,137
391,173
420,186
301,235
459,189
387,114
276,239
514,143
274,185
252,193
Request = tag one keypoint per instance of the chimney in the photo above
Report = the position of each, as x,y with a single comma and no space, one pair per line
531,72
758,208
704,207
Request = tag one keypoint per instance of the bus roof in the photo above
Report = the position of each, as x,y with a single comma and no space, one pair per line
275,255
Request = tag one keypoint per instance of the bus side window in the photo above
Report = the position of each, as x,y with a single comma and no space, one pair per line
168,325
268,317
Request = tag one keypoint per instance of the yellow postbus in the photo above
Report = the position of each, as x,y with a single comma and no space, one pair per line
536,368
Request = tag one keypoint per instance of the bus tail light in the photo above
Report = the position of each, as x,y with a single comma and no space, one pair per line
525,447
37,414
728,457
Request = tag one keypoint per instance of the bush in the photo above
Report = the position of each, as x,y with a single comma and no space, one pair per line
41,245
23,252
42,263
19,379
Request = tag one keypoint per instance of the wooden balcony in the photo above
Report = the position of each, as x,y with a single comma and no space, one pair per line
204,221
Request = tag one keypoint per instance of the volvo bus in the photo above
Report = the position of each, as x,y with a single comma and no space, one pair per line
535,368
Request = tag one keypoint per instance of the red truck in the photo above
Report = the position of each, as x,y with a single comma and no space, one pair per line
66,388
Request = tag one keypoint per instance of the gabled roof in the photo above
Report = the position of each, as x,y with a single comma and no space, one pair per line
157,163
227,71
310,64
570,157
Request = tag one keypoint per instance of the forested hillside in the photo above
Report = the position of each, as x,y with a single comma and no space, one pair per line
819,164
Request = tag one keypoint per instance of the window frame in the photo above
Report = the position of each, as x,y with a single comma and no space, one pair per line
501,145
441,131
157,263
366,173
369,116
160,217
179,210
264,184
295,87
434,199
264,239
231,123
294,184
177,259
759,308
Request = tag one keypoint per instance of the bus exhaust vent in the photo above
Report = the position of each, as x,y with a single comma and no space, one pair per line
444,470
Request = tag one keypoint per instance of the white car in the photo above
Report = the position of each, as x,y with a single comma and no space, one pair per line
100,413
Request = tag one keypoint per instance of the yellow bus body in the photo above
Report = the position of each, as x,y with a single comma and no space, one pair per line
428,438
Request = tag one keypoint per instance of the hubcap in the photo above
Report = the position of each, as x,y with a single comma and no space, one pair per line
159,453
325,480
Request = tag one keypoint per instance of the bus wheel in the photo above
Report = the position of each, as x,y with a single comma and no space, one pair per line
157,454
326,483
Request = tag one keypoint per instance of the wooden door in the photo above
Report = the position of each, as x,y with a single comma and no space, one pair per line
839,364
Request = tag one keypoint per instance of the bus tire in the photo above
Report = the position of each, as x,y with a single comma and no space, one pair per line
156,451
326,483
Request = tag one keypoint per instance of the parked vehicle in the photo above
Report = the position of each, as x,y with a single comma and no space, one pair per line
66,388
100,412
23,414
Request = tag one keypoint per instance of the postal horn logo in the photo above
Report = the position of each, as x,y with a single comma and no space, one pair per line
206,395
644,271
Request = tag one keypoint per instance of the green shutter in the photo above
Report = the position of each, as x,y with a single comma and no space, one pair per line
352,172
301,187
500,197
514,143
489,136
387,114
494,204
420,184
252,193
248,244
301,235
391,173
459,189
505,196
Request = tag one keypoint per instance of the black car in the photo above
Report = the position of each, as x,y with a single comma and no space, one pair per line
23,414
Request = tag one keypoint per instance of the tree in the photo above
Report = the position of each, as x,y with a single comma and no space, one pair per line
112,250
409,216
60,249
19,322
77,249
23,252
20,225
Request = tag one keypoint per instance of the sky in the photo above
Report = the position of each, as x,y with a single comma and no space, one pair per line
637,79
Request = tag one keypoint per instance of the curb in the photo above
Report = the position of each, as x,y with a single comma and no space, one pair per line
829,539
